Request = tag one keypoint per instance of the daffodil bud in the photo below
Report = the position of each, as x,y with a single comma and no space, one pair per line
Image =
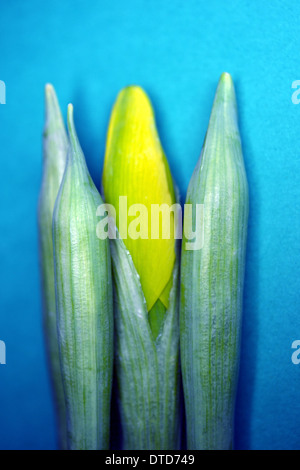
137,182
136,168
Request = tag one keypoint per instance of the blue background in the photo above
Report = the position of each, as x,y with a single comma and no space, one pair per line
176,50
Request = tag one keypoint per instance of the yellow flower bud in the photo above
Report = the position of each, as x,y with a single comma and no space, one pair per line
136,167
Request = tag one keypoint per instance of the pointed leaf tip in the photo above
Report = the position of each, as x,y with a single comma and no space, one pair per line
70,116
76,153
225,91
49,89
226,78
51,99
53,117
71,125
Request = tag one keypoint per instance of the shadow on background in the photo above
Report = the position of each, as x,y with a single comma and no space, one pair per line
244,405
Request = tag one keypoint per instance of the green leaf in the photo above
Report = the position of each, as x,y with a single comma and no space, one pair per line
212,280
55,145
84,304
147,369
